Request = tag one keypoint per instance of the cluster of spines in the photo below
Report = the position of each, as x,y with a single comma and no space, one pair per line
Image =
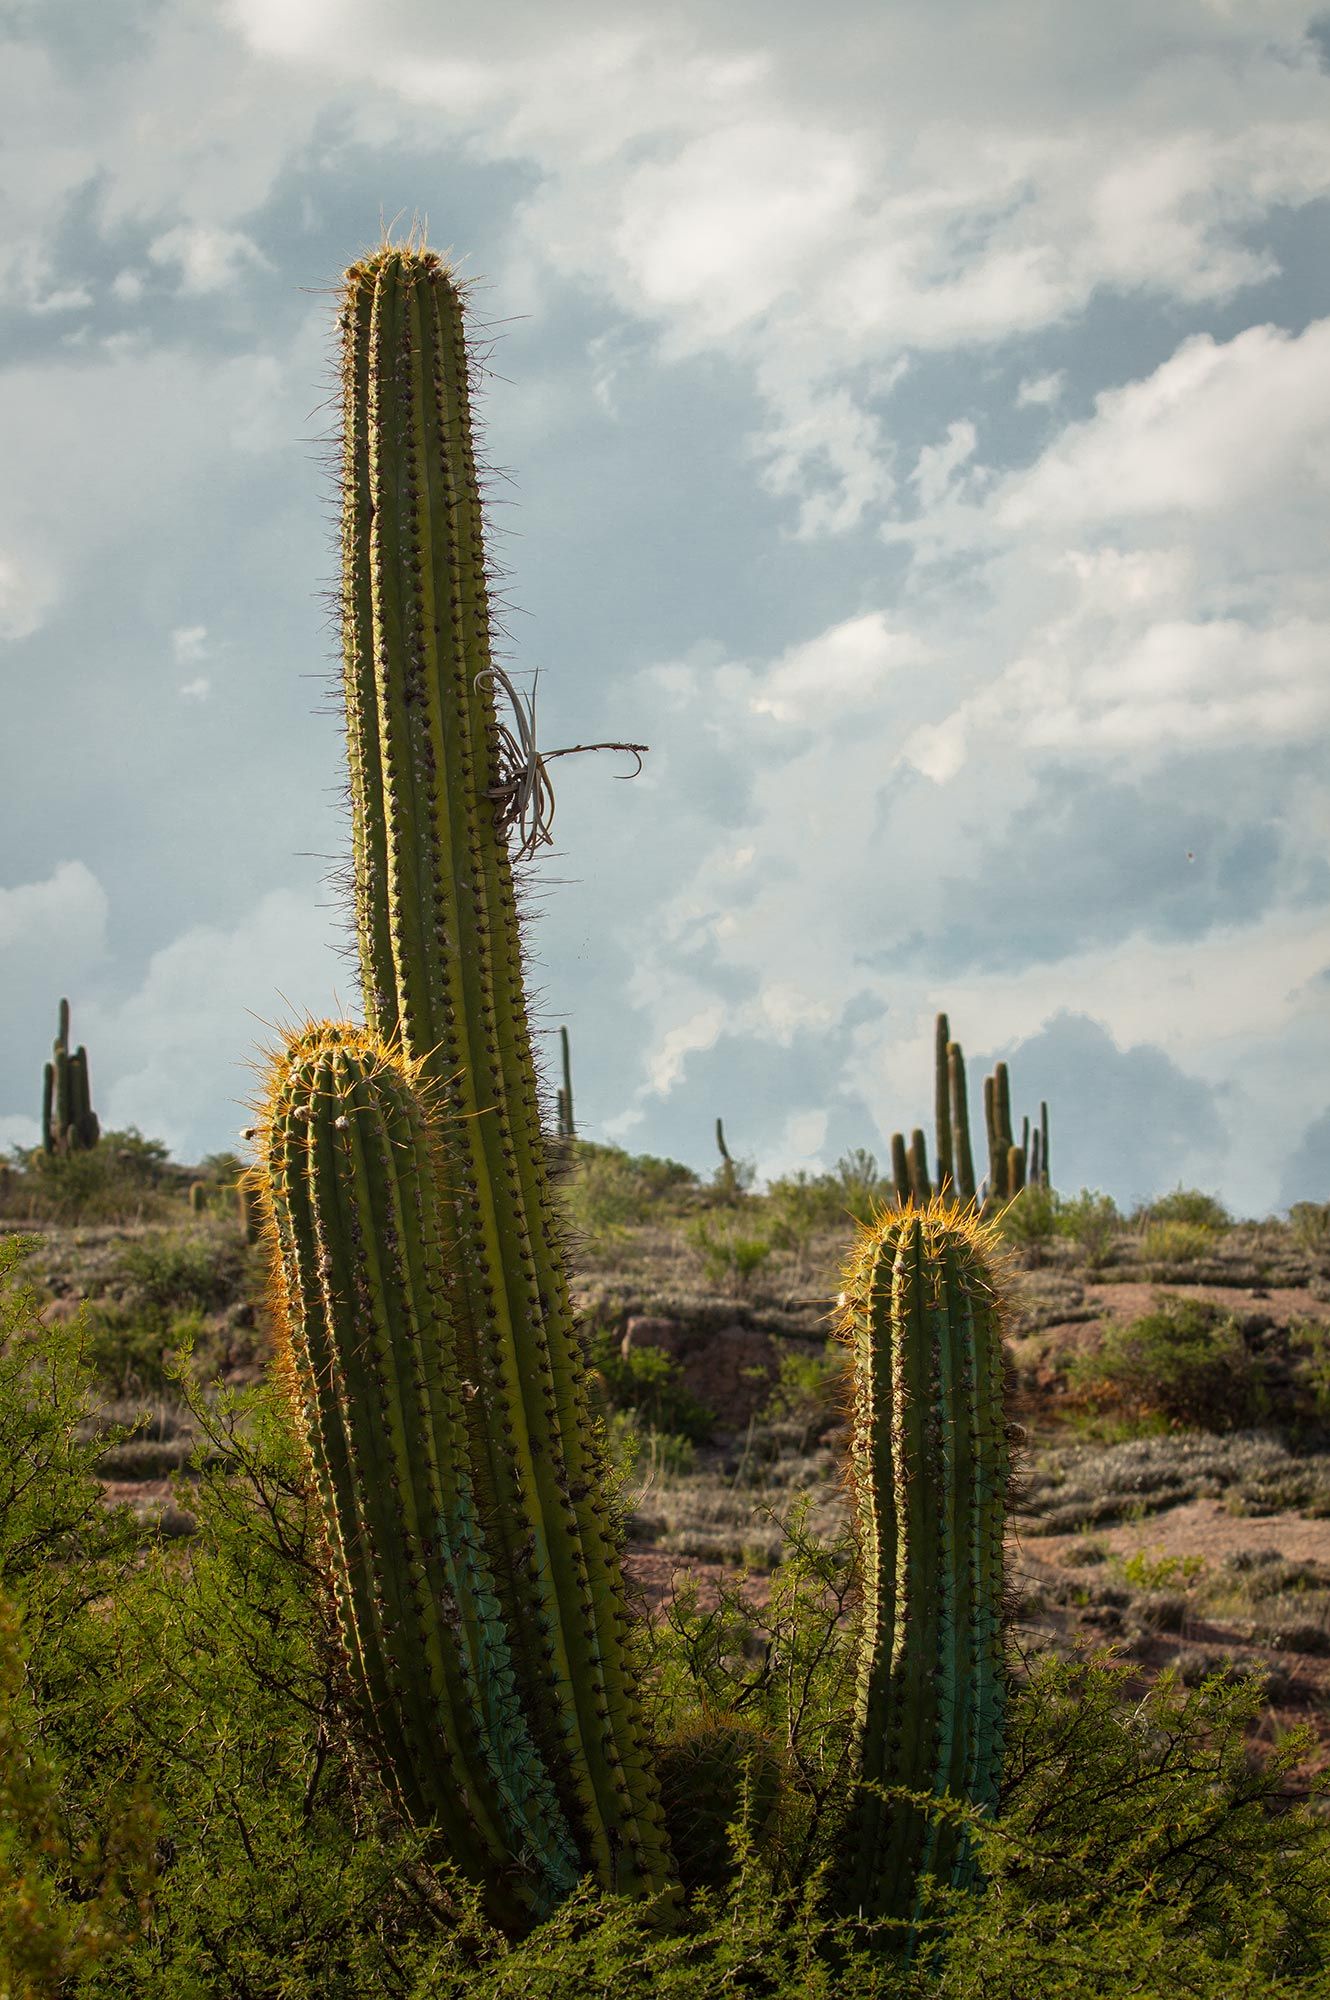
929,1473
69,1123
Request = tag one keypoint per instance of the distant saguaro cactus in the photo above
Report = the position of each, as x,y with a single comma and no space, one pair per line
69,1123
565,1127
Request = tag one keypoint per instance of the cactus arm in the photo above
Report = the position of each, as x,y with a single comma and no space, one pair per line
1002,1088
453,967
1043,1134
63,1093
567,1130
920,1185
369,831
48,1107
962,1155
900,1168
946,1164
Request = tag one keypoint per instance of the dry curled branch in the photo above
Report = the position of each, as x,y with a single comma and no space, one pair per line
524,794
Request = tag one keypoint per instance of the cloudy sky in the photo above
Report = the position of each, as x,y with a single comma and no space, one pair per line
916,427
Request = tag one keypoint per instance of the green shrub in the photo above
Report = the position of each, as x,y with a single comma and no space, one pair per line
610,1191
131,1353
647,1383
809,1390
801,1206
1091,1221
117,1180
1176,1242
1186,1361
1310,1223
177,1273
1031,1220
863,1189
730,1255
180,1814
1187,1205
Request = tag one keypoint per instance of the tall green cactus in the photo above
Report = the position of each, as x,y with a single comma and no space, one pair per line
426,1336
929,1464
441,974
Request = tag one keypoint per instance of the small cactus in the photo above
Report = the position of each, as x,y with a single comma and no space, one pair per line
198,1197
923,1316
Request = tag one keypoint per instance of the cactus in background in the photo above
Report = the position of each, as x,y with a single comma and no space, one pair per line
920,1185
198,1197
565,1127
1015,1171
900,1168
929,1466
250,1207
946,1164
69,1123
426,1337
962,1156
1043,1146
434,789
997,1118
1036,1169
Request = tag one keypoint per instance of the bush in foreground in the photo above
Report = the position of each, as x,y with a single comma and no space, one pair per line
182,1817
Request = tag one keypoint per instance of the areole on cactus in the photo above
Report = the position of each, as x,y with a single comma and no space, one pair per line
427,1340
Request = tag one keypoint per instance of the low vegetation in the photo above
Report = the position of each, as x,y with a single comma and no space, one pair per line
181,1806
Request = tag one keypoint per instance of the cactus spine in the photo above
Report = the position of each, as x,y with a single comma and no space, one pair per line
441,977
69,1123
929,1465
